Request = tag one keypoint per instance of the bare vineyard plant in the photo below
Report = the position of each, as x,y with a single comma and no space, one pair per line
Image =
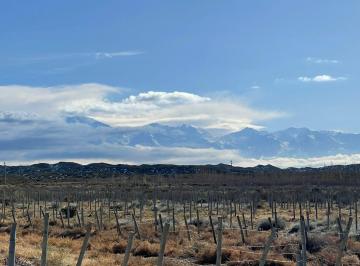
159,223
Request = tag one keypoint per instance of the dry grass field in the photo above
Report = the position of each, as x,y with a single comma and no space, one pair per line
107,246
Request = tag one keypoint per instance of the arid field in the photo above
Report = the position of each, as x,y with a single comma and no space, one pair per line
111,211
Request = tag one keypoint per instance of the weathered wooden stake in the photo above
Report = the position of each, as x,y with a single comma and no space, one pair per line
187,228
44,244
162,244
61,219
198,221
136,226
267,245
12,245
219,242
343,242
356,215
161,222
128,249
97,221
173,217
241,230
245,226
212,229
84,245
303,241
117,222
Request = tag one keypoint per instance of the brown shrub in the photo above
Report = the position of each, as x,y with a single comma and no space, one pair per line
75,233
315,244
208,255
146,249
119,248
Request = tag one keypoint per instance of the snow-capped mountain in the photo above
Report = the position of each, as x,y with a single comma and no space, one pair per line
292,142
80,136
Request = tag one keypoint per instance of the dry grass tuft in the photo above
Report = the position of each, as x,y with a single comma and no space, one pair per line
208,255
146,249
119,248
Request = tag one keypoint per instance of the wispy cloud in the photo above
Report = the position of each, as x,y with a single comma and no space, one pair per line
316,60
321,78
81,58
104,55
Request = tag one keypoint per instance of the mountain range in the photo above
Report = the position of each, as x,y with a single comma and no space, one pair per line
249,142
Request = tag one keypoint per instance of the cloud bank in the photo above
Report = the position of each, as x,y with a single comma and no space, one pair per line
96,101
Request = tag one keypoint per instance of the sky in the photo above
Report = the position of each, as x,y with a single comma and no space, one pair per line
210,63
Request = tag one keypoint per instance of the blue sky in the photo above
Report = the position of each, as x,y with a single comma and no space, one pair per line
297,58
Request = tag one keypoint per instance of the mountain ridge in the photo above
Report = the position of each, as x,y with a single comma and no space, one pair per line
84,134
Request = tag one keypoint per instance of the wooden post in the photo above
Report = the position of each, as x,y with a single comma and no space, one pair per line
155,215
12,245
307,221
13,213
241,230
61,219
187,228
117,222
343,243
231,214
78,217
328,215
28,217
212,229
44,244
128,249
245,226
267,245
197,221
219,242
294,209
101,216
84,245
136,226
68,212
356,215
173,217
161,222
82,216
162,244
251,216
341,231
97,221
190,210
303,241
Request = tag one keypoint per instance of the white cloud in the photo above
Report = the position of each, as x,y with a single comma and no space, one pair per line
321,60
165,98
103,55
94,100
180,107
321,78
52,101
